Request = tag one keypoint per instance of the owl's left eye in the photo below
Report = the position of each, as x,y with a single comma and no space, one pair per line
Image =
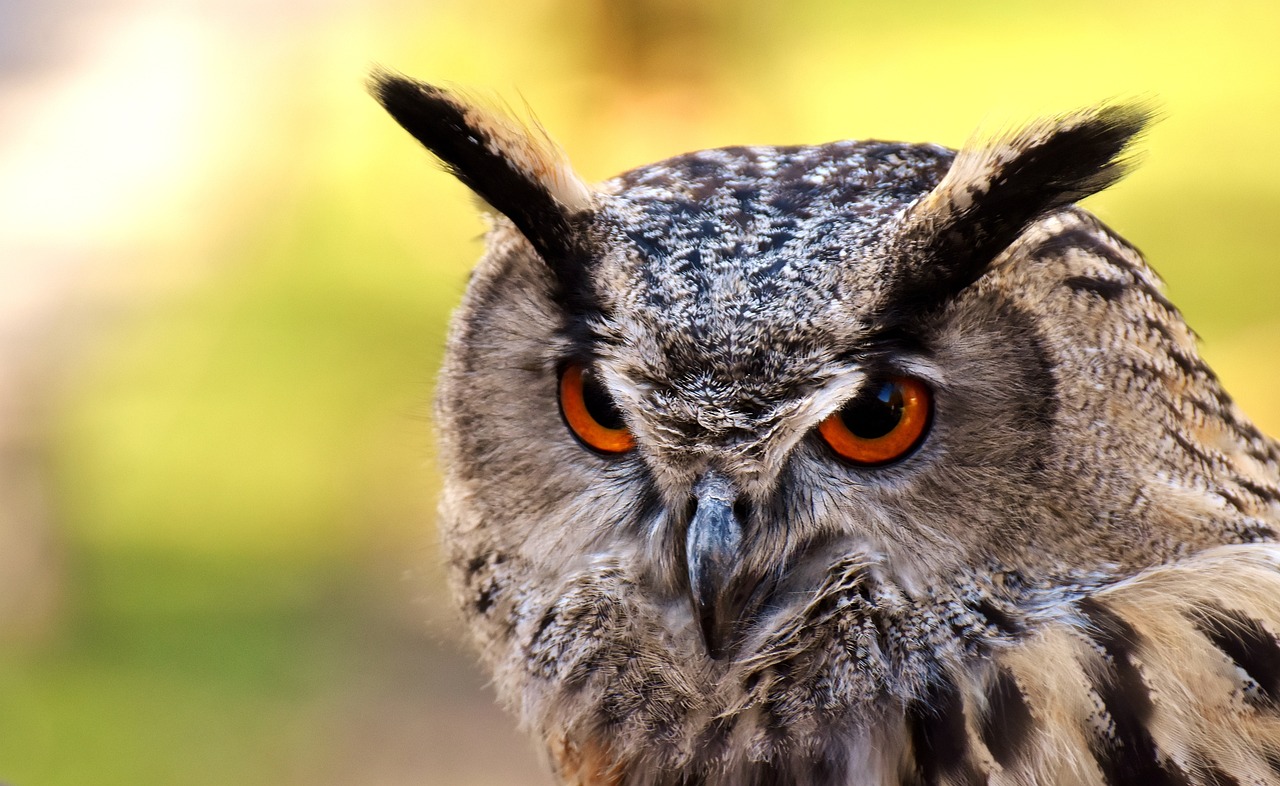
883,425
590,412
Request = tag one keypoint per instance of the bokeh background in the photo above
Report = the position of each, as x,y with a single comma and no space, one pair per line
224,281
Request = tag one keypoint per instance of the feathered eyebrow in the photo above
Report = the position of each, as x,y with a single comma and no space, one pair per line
992,192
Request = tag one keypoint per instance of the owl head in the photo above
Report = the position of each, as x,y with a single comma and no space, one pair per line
693,415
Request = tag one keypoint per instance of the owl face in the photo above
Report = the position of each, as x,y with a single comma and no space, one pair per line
720,333
746,447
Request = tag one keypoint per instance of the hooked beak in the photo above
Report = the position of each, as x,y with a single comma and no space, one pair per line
713,550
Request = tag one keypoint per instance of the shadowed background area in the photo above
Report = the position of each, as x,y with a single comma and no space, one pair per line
224,283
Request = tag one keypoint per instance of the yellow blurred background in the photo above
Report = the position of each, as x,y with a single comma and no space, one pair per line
224,282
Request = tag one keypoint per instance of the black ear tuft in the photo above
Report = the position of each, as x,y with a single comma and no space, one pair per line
993,191
517,170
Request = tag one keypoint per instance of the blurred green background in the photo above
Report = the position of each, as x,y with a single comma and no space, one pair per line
224,282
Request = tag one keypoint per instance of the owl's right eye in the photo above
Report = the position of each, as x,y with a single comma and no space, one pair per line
590,412
884,424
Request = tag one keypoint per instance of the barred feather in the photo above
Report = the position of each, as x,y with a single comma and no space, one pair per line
1170,677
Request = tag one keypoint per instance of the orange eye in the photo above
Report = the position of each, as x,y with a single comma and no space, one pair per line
883,424
590,412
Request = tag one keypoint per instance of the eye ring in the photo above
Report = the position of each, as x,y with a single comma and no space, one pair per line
883,425
591,415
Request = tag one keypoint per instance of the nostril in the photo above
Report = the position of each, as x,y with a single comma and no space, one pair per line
742,509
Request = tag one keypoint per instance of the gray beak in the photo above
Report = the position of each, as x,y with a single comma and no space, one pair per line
713,548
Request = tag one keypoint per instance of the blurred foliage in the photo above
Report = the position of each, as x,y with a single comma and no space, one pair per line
240,455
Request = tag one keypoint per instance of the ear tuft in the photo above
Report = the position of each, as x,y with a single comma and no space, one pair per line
993,191
516,168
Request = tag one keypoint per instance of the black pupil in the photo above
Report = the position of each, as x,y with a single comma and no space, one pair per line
876,412
599,405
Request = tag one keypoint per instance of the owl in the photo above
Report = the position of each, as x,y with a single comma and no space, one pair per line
857,463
